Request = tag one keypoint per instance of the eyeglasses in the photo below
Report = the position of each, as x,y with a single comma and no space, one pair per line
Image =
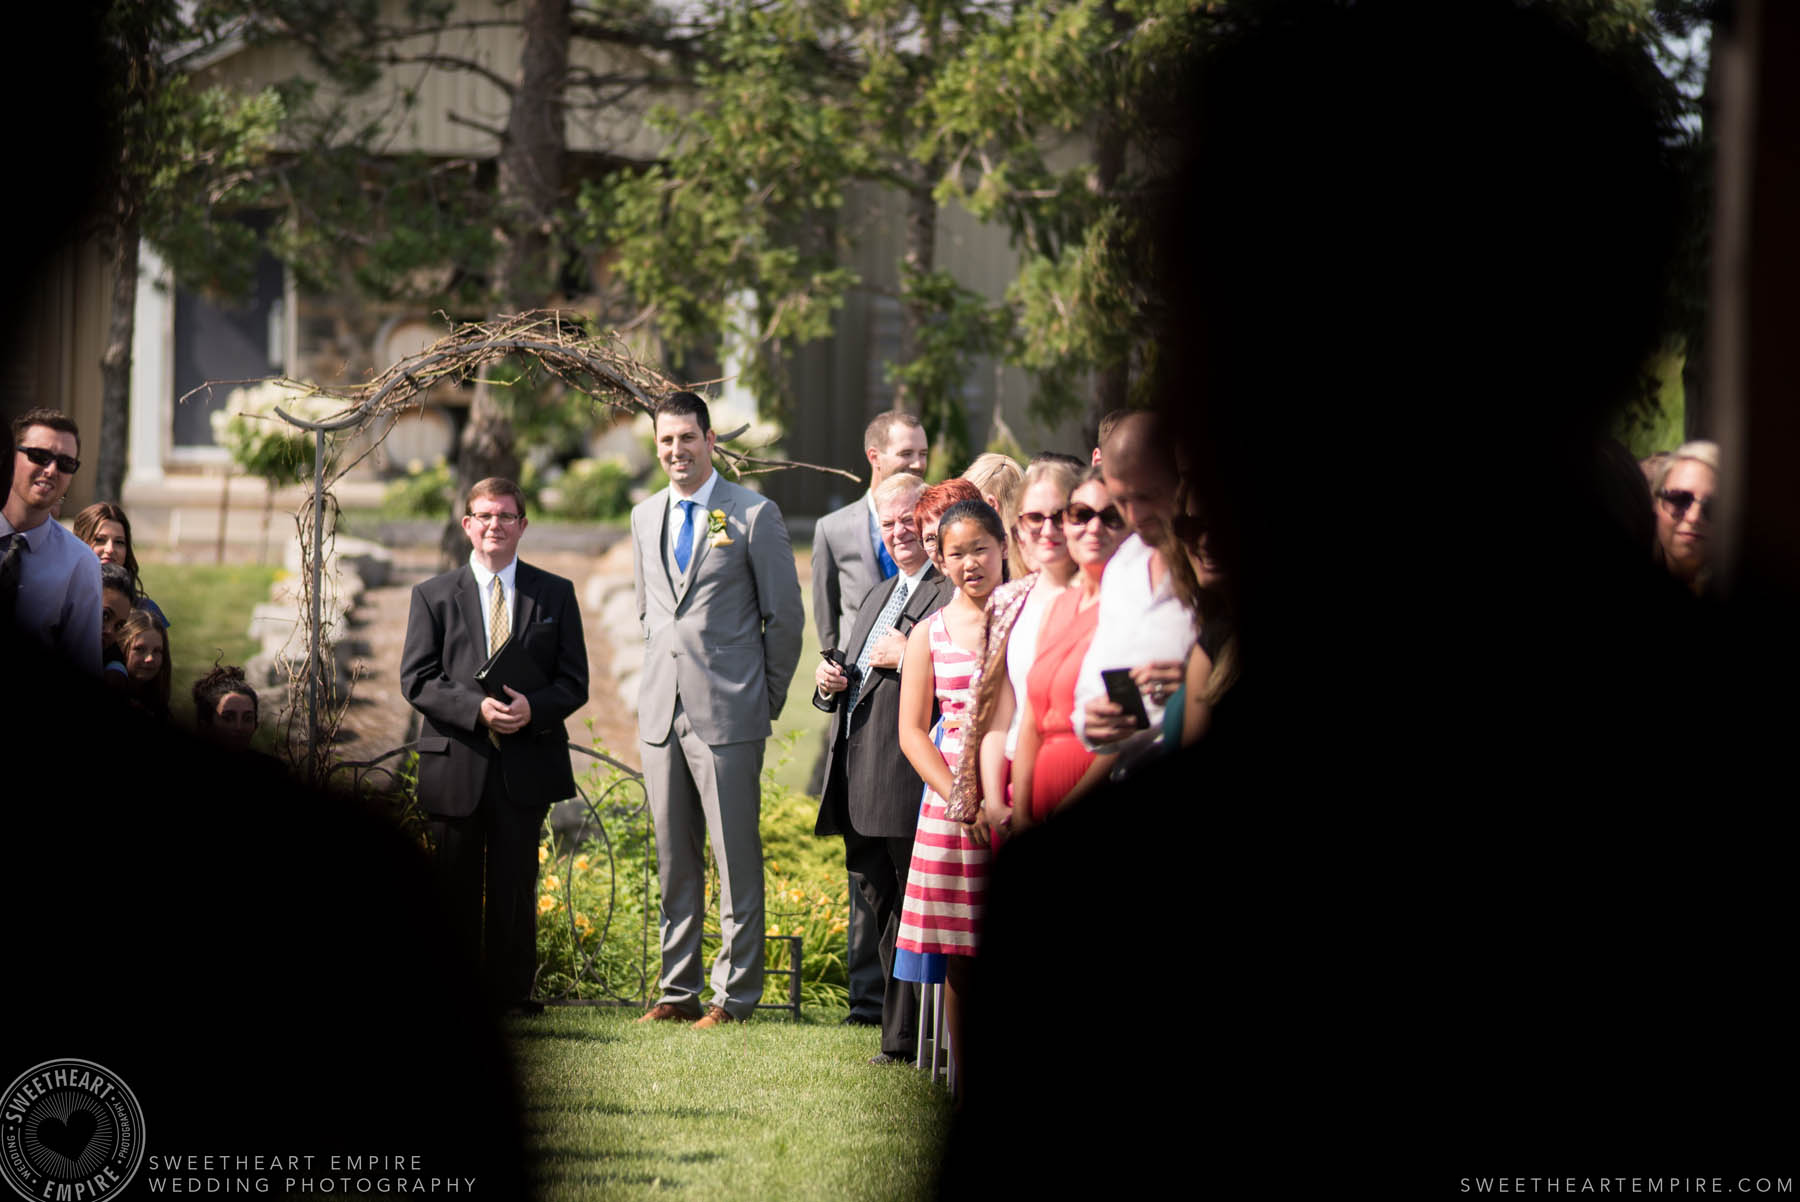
1679,500
930,540
506,521
68,465
1077,516
1031,523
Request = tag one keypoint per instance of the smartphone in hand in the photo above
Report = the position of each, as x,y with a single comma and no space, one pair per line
1122,691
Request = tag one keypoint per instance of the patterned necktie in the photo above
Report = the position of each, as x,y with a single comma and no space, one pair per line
890,613
11,572
684,539
499,628
499,621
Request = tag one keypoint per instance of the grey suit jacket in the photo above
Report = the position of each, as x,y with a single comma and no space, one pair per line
844,569
881,787
724,637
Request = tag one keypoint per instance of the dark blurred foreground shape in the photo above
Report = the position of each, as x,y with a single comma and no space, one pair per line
1483,867
265,967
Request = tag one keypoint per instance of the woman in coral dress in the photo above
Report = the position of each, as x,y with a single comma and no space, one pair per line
1051,767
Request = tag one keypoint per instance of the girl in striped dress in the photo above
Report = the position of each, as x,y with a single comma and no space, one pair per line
948,874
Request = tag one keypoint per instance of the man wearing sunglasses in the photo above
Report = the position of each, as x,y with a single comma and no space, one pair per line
49,579
1142,624
490,767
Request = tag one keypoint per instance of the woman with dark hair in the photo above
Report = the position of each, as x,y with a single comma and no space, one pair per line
942,910
1212,665
147,674
1051,767
225,706
118,597
104,527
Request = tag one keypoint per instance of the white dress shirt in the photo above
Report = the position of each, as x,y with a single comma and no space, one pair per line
484,580
702,499
1137,625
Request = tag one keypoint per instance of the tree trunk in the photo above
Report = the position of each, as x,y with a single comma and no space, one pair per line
920,253
531,167
115,360
1112,380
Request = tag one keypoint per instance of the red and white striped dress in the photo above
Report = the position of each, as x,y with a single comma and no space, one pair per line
948,878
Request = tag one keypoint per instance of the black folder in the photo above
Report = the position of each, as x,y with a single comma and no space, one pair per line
510,666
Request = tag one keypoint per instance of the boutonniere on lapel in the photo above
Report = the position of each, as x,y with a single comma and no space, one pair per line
715,526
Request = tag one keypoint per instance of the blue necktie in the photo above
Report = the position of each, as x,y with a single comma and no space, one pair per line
888,567
684,541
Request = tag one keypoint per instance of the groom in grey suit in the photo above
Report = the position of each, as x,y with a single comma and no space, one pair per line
720,605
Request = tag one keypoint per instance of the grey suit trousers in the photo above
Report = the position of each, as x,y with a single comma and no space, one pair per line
705,788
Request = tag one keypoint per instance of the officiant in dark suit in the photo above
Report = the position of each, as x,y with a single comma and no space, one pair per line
491,767
871,793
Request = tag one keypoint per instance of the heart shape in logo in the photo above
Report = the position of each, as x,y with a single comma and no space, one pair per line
68,1136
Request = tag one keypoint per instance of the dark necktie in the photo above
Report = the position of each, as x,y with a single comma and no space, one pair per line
11,572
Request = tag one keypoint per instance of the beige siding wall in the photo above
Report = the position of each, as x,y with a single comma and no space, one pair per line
56,350
418,103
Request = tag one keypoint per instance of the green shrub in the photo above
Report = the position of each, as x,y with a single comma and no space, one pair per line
594,490
424,492
593,904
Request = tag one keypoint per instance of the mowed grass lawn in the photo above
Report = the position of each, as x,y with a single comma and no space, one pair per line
770,1109
208,606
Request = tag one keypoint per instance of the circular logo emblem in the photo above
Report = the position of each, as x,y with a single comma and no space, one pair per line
69,1129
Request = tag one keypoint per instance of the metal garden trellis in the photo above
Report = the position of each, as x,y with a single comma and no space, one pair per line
597,367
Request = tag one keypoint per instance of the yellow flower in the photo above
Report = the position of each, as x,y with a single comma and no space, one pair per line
581,863
795,895
839,927
583,923
774,930
552,883
543,853
546,903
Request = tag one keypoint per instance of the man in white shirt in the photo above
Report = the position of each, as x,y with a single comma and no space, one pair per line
1142,624
489,770
49,579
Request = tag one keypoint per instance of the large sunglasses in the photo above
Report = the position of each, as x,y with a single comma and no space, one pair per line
1679,500
68,465
1034,521
1077,516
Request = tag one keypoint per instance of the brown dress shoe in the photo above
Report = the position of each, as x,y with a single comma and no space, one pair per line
669,1012
715,1016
